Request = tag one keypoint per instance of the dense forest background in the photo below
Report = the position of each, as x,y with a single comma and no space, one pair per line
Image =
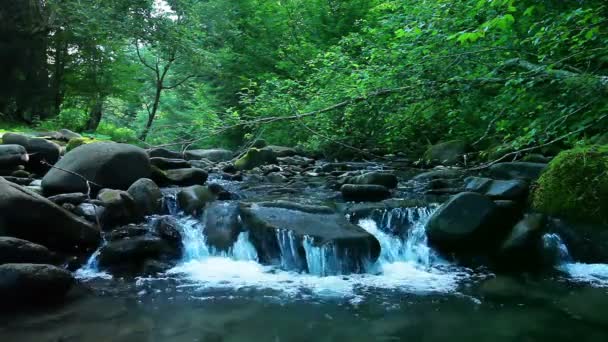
323,75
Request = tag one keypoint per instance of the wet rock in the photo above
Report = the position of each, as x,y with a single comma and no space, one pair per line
385,179
281,151
110,165
515,189
517,170
523,248
267,225
27,215
18,180
13,250
587,242
128,232
166,228
90,212
21,174
33,283
222,226
295,161
127,254
169,164
39,150
438,174
75,198
364,193
256,157
164,153
120,208
186,177
215,155
201,163
276,177
194,199
147,196
12,156
467,222
446,153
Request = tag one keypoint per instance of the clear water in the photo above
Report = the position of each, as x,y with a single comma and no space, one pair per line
408,294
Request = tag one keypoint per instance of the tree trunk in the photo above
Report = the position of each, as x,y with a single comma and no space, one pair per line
95,114
152,113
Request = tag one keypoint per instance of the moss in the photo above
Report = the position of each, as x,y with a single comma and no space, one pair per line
75,142
254,158
575,185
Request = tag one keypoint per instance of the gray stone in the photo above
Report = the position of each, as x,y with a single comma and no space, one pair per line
12,156
40,150
13,250
33,283
222,226
446,153
517,170
515,189
75,198
194,199
215,155
164,153
127,253
120,208
169,164
364,193
110,165
147,196
186,177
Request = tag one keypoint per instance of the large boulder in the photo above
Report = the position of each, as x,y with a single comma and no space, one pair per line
446,153
13,250
194,199
222,226
147,196
186,177
385,179
575,186
467,222
33,283
364,193
286,234
517,170
12,156
522,248
109,165
215,155
514,189
27,215
40,150
256,157
119,208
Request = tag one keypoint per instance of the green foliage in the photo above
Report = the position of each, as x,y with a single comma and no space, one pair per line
75,142
73,119
115,133
575,185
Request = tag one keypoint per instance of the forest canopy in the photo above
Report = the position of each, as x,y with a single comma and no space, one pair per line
324,75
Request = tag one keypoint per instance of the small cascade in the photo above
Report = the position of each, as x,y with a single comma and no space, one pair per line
323,260
554,244
90,270
290,254
410,246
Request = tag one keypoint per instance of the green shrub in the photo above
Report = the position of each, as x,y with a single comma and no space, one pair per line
575,185
117,134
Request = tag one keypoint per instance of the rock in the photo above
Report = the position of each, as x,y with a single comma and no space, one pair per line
276,177
194,199
18,180
38,149
364,193
438,174
127,254
147,196
27,215
523,247
110,165
75,198
385,179
587,242
256,157
200,163
259,143
515,189
281,151
575,186
186,177
12,155
67,135
90,212
536,158
128,232
164,153
120,208
215,155
21,174
222,226
13,250
295,161
467,222
166,227
517,170
272,230
33,283
169,164
446,153
525,232
76,142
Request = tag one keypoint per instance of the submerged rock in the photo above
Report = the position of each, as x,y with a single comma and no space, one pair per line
13,250
364,193
75,198
110,165
27,215
269,227
33,283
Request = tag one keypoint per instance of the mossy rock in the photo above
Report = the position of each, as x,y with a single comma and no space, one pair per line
575,185
256,157
75,142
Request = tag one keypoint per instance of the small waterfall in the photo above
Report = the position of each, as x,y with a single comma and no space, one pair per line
411,246
90,270
554,244
323,260
289,246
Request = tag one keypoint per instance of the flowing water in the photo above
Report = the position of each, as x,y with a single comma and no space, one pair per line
409,293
